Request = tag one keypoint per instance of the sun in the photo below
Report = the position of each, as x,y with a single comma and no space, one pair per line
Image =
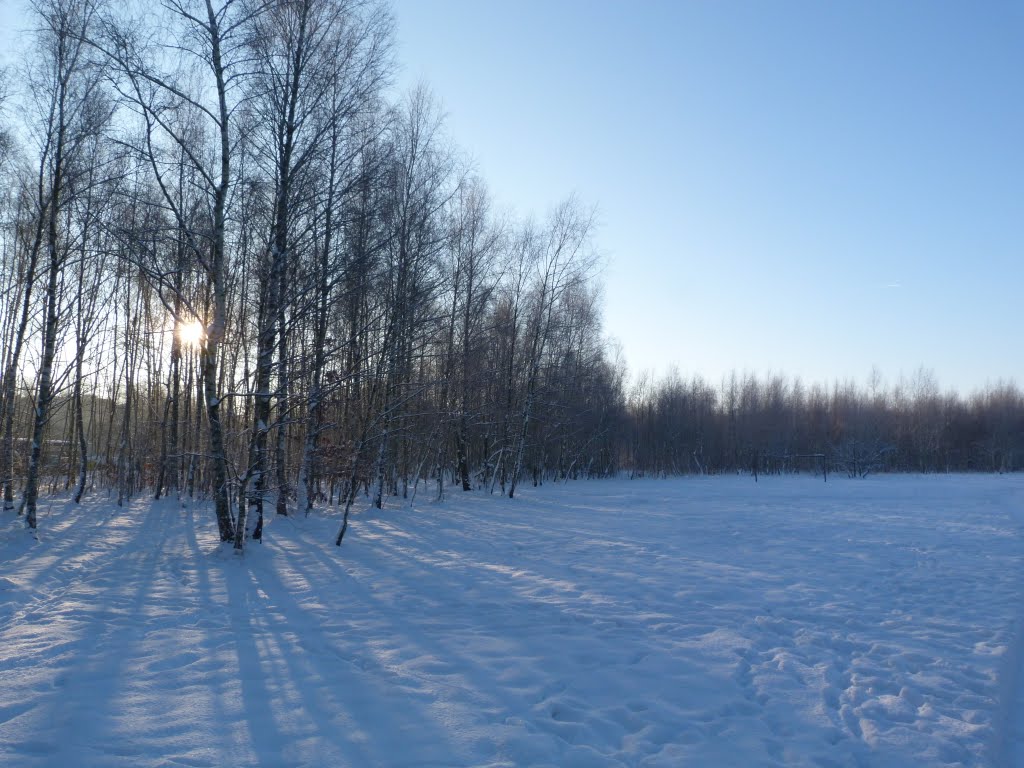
192,333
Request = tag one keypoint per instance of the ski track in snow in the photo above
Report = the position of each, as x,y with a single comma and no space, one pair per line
691,622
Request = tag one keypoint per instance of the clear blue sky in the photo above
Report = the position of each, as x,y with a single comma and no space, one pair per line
807,187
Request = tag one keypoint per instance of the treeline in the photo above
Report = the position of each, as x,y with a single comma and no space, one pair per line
232,266
773,425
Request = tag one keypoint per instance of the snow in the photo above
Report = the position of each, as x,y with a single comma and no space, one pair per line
711,621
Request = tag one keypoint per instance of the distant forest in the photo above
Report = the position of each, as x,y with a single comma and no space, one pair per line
232,265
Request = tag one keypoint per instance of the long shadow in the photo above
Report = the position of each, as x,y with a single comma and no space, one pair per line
75,524
219,626
531,593
254,667
429,638
339,699
285,706
83,661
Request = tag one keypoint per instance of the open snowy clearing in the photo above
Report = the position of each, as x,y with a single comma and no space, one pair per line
692,622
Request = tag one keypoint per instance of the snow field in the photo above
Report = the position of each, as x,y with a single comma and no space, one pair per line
691,622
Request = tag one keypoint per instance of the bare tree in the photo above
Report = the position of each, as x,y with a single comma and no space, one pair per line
185,90
562,260
71,102
476,243
320,63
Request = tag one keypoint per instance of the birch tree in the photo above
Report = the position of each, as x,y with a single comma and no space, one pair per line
186,89
319,63
563,260
73,109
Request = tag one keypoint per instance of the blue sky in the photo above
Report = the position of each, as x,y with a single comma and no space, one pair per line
808,187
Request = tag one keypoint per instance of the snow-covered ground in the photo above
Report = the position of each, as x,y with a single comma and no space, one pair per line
691,622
